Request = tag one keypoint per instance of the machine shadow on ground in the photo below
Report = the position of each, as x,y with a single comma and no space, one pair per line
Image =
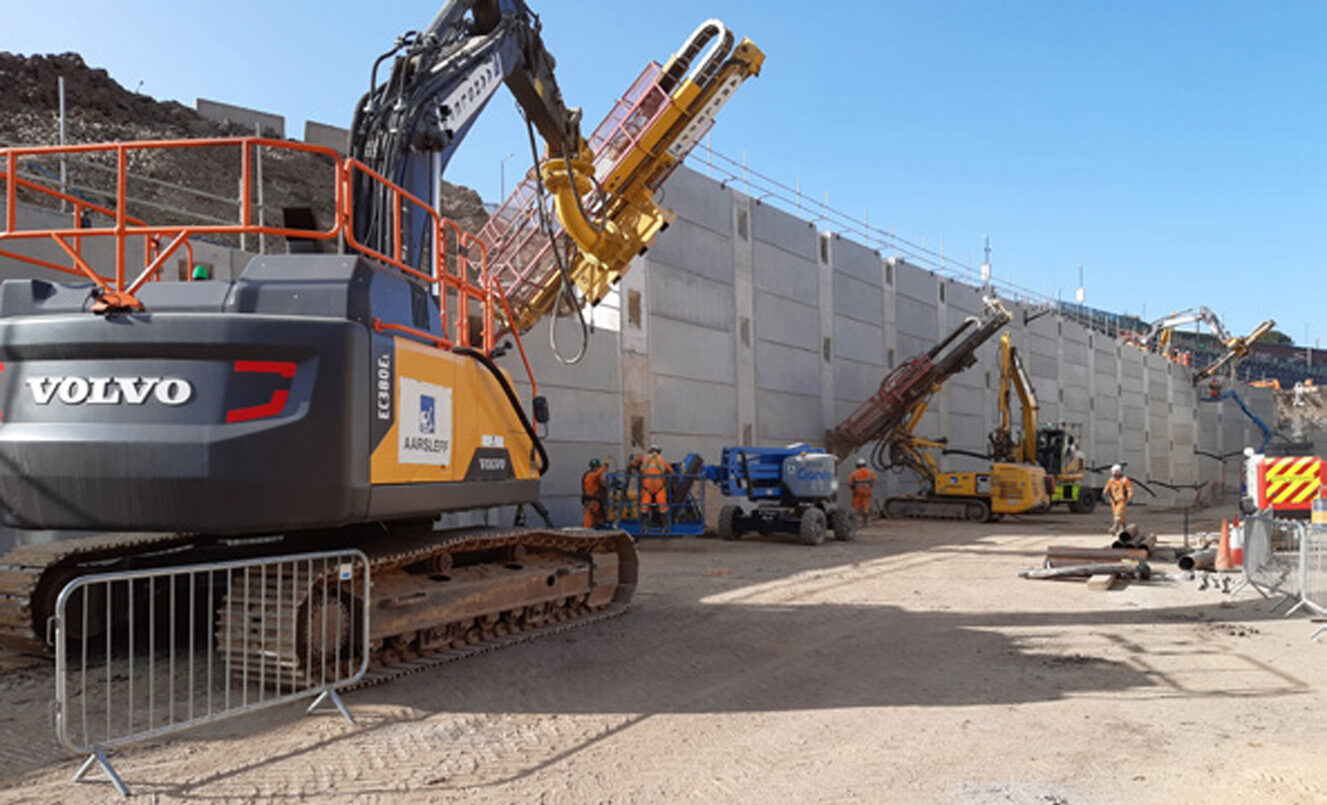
725,627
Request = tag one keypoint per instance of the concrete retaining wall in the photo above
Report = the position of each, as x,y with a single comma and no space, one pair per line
745,324
272,124
756,327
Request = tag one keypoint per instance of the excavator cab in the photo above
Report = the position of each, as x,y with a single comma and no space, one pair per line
1051,448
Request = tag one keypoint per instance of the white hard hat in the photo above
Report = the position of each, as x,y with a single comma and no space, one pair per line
1116,469
861,462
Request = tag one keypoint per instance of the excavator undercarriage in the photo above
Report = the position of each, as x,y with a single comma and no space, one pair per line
436,595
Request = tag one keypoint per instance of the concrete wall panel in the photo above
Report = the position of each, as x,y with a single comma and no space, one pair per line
784,231
964,298
860,342
686,297
854,382
856,261
693,407
784,321
787,275
583,416
918,320
786,418
1076,399
858,299
695,249
787,369
692,352
915,283
698,198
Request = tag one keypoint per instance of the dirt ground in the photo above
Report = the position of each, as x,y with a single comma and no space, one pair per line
910,666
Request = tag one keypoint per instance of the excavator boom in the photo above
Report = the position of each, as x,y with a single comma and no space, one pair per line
1013,376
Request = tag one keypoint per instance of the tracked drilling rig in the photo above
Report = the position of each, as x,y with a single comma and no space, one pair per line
347,394
888,420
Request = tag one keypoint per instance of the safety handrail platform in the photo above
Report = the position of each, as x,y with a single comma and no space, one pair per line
460,276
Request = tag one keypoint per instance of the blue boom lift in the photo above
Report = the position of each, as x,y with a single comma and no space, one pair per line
788,490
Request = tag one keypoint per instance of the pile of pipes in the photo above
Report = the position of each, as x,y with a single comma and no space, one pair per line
1131,537
1125,560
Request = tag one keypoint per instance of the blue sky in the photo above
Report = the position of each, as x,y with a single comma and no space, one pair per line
1177,150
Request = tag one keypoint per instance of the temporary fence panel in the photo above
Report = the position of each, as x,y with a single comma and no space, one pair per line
1272,553
1314,592
141,654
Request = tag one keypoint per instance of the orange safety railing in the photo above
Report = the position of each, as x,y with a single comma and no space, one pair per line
461,278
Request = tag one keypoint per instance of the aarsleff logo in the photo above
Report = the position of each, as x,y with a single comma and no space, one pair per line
424,423
73,390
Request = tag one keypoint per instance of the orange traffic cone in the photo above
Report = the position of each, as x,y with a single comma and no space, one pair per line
1223,548
1237,546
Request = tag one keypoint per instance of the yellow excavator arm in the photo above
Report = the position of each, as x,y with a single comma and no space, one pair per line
605,196
1013,376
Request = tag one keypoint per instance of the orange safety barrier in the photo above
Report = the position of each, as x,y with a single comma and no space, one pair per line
459,289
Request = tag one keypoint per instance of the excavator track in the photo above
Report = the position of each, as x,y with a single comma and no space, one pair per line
938,508
435,599
32,576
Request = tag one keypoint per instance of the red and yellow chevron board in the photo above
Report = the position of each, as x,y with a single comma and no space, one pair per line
1289,483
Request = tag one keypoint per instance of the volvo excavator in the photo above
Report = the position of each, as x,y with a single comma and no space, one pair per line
348,393
890,417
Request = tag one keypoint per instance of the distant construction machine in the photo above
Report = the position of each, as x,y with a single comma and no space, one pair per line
1161,331
890,416
791,490
1054,449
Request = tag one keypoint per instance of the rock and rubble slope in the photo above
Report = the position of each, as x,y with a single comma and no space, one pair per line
99,109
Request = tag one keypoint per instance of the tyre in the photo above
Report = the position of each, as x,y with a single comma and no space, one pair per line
729,523
1087,500
845,530
813,527
978,511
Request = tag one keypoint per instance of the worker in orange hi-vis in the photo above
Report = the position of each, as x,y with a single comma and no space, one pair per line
653,489
862,482
1118,492
594,494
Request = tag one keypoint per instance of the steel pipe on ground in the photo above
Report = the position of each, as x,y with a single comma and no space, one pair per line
1068,551
1198,560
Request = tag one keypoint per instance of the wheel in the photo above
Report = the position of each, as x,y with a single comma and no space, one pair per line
844,528
978,511
728,523
1087,500
813,527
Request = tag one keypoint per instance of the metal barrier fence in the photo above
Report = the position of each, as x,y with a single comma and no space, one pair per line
1273,556
1313,593
140,654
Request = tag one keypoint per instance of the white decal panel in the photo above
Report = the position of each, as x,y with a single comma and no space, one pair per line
424,424
465,100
